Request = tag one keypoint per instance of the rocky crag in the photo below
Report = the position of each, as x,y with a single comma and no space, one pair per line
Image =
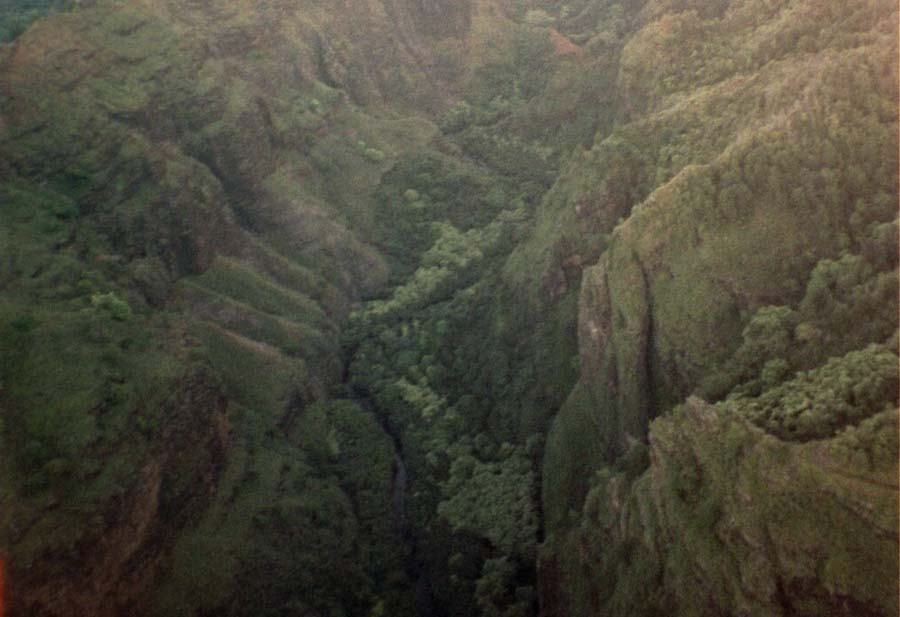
618,279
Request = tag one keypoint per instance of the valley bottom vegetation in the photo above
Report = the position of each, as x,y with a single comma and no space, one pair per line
432,308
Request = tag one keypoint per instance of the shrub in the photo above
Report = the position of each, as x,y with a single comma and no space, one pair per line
817,404
117,308
539,17
374,155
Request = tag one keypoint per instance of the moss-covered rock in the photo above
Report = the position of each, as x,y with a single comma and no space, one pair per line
733,272
195,196
730,520
718,226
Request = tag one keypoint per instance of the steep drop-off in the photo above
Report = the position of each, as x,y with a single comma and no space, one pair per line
185,202
754,166
617,280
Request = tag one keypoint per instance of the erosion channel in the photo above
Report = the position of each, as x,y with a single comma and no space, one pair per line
449,308
424,597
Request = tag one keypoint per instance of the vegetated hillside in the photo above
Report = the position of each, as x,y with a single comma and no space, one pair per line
17,15
753,174
186,205
522,232
729,234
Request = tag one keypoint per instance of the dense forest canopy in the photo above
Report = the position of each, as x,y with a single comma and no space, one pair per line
496,308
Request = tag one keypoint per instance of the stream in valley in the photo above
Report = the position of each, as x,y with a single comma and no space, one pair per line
424,597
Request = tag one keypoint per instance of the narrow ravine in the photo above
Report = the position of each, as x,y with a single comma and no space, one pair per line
424,597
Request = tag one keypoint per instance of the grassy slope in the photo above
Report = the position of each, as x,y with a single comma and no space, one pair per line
149,194
139,232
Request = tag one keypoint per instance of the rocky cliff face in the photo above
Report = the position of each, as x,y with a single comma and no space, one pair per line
697,198
117,560
731,520
743,200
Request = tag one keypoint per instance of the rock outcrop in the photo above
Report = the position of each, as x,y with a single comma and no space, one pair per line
730,520
744,187
118,561
191,195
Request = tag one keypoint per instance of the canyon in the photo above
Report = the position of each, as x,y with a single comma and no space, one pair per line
412,307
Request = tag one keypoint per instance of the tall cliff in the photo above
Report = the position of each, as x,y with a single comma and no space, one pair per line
745,203
613,286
